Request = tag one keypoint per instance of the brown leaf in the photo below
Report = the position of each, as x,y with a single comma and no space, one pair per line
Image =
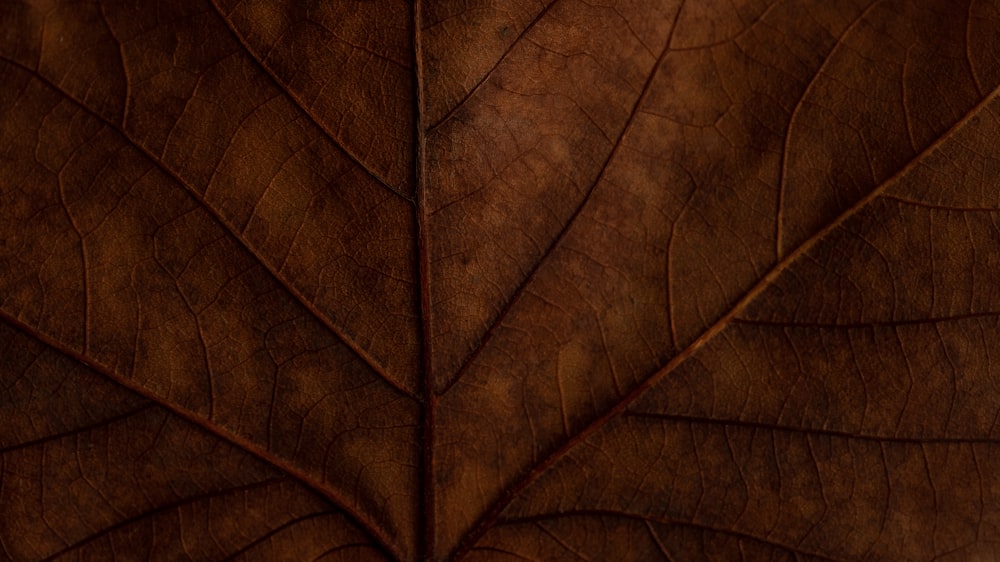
482,280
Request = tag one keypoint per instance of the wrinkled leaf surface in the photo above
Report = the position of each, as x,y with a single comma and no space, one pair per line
499,280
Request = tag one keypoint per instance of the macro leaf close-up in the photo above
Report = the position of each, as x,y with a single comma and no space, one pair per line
500,280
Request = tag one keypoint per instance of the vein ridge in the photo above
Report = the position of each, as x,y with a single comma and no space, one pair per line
231,231
490,517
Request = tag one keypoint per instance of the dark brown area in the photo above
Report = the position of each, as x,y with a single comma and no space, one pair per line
489,280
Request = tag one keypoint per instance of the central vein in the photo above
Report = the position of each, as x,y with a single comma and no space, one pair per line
426,530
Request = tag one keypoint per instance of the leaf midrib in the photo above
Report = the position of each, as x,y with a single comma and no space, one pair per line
492,515
426,532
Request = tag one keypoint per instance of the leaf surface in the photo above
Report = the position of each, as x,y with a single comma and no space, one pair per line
499,280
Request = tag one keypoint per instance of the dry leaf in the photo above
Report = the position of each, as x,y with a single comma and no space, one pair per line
482,280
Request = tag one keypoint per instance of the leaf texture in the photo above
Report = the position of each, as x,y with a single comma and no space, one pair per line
482,280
